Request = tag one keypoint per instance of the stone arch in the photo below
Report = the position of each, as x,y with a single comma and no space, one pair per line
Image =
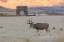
21,8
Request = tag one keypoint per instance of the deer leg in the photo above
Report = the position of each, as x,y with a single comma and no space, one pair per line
49,31
46,31
37,32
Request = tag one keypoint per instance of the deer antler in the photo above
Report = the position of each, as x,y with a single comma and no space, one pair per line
30,21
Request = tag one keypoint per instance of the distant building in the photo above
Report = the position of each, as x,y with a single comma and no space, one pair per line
21,8
31,14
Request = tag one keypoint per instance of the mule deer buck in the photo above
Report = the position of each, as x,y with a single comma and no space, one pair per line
39,26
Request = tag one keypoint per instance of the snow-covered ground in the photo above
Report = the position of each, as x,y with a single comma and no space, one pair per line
16,29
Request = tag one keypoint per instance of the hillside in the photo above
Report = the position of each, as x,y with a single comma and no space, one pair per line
38,10
3,9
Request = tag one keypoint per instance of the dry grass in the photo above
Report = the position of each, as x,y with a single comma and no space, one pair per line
10,39
60,39
19,30
26,39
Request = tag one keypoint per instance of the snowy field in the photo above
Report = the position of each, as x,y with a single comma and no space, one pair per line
16,29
